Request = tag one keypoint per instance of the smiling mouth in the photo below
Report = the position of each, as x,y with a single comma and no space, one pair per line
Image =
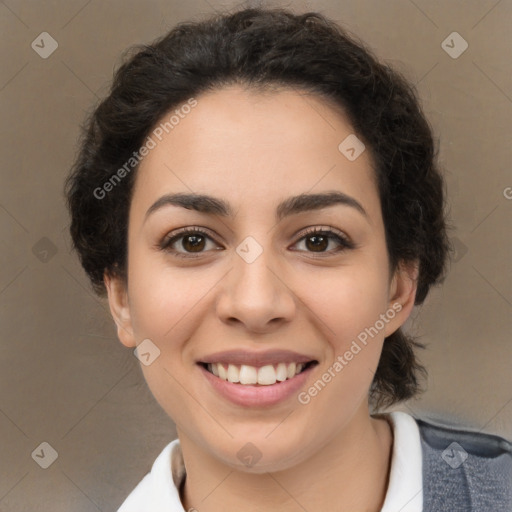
266,375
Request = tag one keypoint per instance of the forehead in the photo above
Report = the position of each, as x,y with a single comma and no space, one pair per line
253,147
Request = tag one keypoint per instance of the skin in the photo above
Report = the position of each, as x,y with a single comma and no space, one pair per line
254,150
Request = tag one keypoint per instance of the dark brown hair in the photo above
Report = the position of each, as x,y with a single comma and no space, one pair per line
264,48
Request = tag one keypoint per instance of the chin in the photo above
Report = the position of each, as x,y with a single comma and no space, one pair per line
260,456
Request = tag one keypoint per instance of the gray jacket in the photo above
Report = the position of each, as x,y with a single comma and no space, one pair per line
465,471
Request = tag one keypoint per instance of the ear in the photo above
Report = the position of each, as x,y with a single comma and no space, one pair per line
119,308
402,293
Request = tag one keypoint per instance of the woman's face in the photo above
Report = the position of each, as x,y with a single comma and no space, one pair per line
254,284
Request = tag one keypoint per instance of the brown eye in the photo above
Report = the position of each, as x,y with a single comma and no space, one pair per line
188,242
318,240
317,243
193,243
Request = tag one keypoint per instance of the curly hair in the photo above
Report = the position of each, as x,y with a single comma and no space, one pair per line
262,49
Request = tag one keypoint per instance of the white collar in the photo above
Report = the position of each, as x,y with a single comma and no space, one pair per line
405,488
158,491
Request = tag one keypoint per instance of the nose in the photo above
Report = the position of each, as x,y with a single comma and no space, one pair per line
256,295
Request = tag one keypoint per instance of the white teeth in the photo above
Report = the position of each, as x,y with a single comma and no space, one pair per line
248,375
234,374
223,374
267,375
264,375
281,372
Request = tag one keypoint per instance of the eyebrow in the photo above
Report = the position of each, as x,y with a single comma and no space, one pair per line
293,205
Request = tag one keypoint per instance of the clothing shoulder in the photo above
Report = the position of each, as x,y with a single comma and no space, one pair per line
157,491
481,444
138,498
469,469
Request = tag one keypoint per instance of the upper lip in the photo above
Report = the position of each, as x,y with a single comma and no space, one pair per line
239,357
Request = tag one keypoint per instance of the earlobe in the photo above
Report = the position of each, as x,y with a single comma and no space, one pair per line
402,294
119,308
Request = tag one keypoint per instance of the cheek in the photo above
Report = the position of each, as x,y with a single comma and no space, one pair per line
348,304
162,297
167,307
348,301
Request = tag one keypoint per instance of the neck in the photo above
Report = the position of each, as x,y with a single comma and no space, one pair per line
350,472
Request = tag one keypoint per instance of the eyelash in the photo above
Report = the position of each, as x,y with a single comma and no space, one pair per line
169,240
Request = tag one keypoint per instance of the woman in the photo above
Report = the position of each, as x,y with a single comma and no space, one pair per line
259,199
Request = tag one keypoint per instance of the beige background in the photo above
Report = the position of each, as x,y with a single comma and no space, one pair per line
67,381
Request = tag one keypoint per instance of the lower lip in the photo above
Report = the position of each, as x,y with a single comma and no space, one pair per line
257,396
